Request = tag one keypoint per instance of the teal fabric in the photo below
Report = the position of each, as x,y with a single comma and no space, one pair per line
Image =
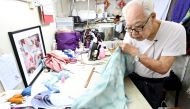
109,92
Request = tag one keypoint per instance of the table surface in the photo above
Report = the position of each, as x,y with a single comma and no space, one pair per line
75,85
136,99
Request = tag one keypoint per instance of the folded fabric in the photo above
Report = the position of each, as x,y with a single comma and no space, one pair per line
17,99
109,92
56,60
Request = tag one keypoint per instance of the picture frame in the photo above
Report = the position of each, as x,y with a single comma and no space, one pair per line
29,50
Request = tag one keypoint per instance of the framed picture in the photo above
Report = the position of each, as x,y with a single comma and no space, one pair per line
29,50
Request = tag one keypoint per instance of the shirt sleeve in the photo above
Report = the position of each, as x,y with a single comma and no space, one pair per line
176,45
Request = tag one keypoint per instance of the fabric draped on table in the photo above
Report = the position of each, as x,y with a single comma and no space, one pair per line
108,92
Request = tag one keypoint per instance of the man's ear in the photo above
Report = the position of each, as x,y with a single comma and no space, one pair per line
153,15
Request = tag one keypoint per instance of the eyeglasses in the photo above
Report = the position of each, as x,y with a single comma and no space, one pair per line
138,29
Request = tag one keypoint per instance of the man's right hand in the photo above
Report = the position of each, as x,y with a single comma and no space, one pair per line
127,48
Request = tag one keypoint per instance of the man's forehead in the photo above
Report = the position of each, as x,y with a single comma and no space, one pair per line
135,20
136,24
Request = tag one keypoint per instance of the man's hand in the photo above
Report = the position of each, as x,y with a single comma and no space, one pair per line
127,48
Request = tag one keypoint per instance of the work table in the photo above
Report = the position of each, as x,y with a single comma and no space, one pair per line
74,86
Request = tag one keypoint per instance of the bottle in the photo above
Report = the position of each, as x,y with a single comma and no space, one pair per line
102,53
95,53
54,45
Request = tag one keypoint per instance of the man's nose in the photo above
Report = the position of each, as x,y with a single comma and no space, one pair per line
133,31
134,34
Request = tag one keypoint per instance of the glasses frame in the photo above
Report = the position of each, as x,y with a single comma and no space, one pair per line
140,29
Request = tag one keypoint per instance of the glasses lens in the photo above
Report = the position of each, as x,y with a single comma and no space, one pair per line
139,29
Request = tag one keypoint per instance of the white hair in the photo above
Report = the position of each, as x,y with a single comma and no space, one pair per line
148,6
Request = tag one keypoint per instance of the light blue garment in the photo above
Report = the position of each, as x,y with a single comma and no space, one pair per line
109,92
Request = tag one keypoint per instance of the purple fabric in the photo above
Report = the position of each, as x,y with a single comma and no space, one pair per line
67,40
180,10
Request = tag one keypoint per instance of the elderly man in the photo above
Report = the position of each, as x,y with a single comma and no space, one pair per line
154,45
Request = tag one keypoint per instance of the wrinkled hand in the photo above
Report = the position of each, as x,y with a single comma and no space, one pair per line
127,48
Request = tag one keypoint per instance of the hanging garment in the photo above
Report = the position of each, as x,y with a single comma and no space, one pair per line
109,92
106,4
187,16
180,10
172,5
161,8
121,4
186,23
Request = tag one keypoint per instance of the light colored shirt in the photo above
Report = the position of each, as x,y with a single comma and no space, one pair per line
170,40
118,27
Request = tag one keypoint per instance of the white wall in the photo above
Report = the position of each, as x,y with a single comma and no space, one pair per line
63,6
16,15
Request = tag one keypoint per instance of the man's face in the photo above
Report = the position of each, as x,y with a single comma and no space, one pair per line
138,25
116,20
